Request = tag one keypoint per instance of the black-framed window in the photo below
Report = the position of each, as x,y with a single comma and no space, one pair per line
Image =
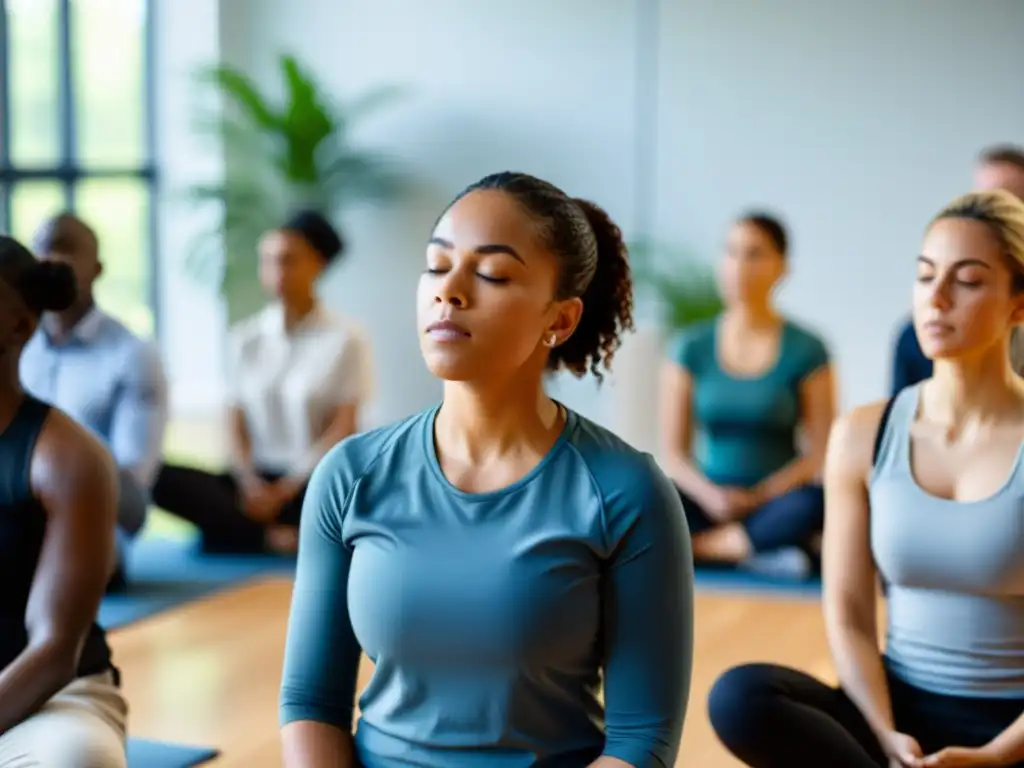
76,133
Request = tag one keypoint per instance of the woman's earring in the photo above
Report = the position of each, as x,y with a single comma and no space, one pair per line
550,341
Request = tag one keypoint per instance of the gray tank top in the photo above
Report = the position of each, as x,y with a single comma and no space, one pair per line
955,574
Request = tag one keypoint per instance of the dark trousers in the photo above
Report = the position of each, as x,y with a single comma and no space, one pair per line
789,520
774,717
212,502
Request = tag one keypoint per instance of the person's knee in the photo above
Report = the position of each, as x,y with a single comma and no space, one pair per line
76,747
808,496
739,699
806,503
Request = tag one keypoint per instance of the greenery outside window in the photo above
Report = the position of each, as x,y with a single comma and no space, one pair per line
76,133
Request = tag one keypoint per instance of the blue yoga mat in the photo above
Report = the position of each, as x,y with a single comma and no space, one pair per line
143,753
737,581
163,574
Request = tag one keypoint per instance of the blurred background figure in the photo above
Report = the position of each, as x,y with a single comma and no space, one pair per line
748,399
87,363
299,374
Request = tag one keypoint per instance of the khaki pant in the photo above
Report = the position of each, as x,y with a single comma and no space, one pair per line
83,726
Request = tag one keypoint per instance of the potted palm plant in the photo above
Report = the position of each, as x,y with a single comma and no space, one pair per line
295,153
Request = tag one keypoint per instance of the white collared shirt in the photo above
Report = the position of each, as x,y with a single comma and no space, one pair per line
289,383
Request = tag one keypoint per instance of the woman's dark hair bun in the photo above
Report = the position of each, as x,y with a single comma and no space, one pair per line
318,232
48,286
772,227
607,301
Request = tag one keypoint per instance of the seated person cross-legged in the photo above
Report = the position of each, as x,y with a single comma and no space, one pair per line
60,700
520,577
926,490
298,374
738,394
90,366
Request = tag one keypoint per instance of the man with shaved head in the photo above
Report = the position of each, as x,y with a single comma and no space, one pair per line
92,367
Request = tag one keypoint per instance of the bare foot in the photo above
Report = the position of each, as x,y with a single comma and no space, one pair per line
283,539
724,544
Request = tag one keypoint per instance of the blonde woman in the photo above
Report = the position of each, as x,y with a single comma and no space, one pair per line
998,167
928,491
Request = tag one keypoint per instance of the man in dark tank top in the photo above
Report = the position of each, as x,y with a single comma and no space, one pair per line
60,699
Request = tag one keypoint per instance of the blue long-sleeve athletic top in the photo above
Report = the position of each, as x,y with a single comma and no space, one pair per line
494,619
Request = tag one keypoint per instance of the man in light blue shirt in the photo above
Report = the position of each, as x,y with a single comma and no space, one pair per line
92,367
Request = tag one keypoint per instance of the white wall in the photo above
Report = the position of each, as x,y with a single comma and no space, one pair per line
486,91
193,319
853,120
856,121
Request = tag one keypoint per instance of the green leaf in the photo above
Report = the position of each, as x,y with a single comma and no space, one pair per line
243,94
235,134
306,123
281,155
686,289
352,177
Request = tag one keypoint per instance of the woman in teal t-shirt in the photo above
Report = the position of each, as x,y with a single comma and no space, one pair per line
747,403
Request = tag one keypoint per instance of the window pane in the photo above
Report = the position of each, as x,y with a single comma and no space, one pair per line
109,66
32,204
33,61
118,209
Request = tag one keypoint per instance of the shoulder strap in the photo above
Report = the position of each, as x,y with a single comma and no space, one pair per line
880,434
17,444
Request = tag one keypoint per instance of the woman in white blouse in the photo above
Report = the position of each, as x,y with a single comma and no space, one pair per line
298,375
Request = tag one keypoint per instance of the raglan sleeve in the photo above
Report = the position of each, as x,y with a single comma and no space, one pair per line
648,617
322,653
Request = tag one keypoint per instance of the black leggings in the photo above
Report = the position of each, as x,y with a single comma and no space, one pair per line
789,520
775,717
211,502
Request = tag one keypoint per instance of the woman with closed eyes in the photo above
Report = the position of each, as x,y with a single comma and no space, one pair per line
925,490
521,578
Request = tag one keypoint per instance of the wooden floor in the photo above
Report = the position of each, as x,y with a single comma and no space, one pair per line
208,673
